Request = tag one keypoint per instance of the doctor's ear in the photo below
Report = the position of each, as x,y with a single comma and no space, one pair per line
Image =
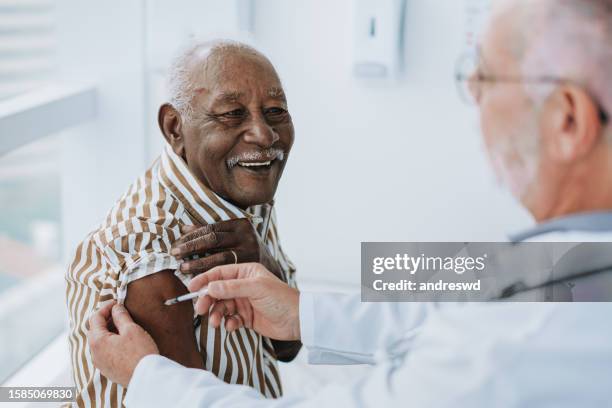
572,127
170,124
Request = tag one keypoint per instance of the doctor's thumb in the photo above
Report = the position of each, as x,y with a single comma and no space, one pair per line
121,318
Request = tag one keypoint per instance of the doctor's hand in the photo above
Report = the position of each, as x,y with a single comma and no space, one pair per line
117,344
257,300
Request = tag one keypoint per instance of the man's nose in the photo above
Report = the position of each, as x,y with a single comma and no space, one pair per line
260,133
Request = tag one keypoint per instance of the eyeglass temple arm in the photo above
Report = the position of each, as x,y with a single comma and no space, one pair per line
603,116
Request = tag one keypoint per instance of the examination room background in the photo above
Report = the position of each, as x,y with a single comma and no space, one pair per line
395,159
390,160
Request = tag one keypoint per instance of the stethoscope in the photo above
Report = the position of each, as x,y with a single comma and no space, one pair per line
521,287
586,222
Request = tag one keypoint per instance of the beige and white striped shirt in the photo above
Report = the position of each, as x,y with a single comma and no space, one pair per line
134,241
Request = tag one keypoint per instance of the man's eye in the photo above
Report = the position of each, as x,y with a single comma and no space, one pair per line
236,113
275,111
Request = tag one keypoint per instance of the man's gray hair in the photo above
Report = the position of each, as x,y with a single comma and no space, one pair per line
571,39
182,78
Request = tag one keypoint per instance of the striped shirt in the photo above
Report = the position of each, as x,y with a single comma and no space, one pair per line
133,242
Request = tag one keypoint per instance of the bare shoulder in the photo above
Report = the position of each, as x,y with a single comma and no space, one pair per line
170,326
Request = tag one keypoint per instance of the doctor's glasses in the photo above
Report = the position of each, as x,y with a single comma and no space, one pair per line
470,80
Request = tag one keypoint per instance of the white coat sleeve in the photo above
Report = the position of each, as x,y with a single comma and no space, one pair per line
159,382
336,329
489,355
340,329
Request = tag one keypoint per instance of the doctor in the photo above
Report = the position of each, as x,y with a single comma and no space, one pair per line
545,98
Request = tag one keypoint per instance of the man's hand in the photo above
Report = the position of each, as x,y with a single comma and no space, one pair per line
259,300
216,244
116,355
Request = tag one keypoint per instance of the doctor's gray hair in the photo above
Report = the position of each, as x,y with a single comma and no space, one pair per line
570,39
182,75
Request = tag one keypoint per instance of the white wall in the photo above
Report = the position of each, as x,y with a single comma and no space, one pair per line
372,162
171,25
102,43
391,162
123,47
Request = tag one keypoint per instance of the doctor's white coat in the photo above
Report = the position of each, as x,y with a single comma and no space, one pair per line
425,355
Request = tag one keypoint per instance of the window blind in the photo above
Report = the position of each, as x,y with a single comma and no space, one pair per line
27,44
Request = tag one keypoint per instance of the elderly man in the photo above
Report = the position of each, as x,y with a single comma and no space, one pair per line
544,90
206,201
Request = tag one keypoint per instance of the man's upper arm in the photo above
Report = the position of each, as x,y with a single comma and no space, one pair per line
170,326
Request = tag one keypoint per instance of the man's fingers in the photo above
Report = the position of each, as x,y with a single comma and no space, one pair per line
204,264
121,318
187,229
205,243
192,232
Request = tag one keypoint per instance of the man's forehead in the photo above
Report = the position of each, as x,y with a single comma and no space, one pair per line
231,74
221,94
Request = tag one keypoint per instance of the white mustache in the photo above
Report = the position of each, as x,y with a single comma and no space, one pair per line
262,155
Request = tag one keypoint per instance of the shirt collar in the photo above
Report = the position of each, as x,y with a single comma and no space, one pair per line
202,203
597,221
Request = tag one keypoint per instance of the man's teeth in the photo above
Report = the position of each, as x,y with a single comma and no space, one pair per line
253,164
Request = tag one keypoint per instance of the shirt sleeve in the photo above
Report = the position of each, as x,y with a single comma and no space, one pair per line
140,248
340,329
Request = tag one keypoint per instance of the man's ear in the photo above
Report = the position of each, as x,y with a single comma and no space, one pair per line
170,124
571,126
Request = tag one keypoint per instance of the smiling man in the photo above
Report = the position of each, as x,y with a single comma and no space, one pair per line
206,201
